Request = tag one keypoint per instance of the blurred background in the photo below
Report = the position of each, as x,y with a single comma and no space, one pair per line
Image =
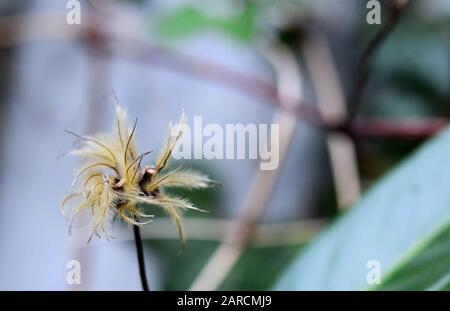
353,100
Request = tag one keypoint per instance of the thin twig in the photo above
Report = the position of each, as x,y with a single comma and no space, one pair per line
140,257
401,128
396,9
330,99
228,253
51,28
208,70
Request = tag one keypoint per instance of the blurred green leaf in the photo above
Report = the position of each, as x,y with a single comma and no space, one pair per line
257,269
414,82
426,268
409,74
188,20
402,222
181,266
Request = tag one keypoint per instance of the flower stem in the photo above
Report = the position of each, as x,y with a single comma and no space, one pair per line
140,256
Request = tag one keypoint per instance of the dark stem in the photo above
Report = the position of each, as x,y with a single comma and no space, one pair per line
396,10
140,256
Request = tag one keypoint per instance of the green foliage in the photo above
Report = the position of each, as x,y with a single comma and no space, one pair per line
180,267
426,268
409,74
257,269
403,222
187,20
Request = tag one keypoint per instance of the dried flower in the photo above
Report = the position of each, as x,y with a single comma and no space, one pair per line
111,183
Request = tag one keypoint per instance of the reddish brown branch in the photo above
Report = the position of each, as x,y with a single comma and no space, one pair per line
266,92
208,70
398,129
99,39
